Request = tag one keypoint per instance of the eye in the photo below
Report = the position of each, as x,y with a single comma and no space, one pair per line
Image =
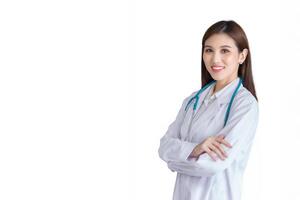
225,51
208,50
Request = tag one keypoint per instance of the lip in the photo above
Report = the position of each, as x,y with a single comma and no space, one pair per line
217,68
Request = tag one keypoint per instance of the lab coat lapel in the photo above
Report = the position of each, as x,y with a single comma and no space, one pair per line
202,98
202,102
189,118
222,97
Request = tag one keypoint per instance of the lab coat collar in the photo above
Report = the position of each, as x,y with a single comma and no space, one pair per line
223,96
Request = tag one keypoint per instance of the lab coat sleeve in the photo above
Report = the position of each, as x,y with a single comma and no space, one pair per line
172,147
239,132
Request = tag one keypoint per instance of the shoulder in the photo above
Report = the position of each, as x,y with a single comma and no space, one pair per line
245,99
187,98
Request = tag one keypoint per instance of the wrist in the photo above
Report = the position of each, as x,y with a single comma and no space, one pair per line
200,150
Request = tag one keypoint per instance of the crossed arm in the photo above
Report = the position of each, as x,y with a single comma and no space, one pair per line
239,131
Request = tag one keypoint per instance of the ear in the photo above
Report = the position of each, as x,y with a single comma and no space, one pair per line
243,56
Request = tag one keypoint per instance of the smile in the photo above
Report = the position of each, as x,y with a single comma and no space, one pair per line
217,68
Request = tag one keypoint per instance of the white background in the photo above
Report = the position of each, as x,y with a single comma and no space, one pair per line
87,89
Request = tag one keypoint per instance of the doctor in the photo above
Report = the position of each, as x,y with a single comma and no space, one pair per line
209,142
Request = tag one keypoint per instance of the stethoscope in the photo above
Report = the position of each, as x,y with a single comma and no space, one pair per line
196,98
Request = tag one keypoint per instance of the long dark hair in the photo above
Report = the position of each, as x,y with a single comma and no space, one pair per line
235,31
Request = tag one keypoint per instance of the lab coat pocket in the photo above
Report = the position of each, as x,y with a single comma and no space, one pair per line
216,122
208,123
208,113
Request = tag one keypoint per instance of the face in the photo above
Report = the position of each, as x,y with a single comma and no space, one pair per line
222,57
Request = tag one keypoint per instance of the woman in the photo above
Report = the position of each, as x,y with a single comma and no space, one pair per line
209,142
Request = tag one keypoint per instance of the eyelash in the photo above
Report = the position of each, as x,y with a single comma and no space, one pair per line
222,50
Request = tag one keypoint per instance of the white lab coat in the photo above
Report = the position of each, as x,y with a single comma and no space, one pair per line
206,179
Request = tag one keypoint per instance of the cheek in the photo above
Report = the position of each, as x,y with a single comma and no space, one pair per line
206,63
206,59
231,60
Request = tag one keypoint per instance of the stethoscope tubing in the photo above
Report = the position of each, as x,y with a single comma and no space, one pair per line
197,96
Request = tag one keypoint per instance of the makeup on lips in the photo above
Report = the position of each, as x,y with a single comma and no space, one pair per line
217,68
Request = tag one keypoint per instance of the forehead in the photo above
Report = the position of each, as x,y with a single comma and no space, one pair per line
220,39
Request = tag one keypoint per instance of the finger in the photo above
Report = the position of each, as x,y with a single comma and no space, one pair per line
210,153
224,142
221,136
217,145
216,150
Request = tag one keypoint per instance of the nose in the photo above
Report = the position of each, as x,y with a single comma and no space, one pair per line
216,58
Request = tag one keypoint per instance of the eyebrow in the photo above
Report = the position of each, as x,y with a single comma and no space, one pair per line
220,46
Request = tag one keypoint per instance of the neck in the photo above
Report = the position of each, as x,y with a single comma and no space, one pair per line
222,83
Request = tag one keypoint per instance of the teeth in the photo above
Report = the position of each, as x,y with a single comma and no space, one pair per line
217,67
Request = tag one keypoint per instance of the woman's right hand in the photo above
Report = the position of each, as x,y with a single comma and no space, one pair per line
212,146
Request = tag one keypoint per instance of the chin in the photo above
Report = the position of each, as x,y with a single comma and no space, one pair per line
217,78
